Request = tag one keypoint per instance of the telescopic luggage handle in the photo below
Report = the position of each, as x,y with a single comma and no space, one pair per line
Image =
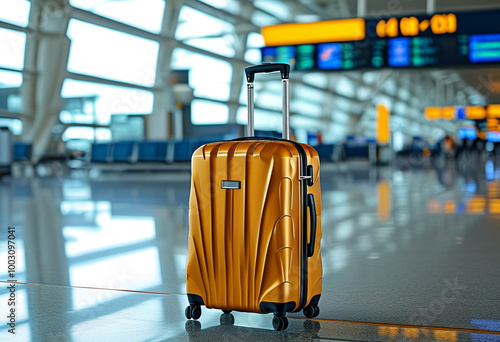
250,72
283,68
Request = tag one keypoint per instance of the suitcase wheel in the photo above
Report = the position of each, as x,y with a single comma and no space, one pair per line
311,311
193,312
226,319
280,323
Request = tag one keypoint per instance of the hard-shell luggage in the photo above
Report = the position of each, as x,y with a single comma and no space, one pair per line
255,222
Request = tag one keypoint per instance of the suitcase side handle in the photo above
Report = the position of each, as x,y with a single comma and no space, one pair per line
312,215
283,68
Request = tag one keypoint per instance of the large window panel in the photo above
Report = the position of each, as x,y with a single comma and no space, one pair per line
15,12
109,99
254,42
209,113
110,54
87,133
209,77
15,125
143,14
205,32
12,44
264,119
10,79
231,6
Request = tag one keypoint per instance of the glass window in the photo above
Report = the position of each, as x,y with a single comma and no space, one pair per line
209,77
15,12
12,53
264,119
15,125
261,19
205,32
143,14
10,79
209,113
231,6
306,108
106,53
108,99
87,133
254,42
278,8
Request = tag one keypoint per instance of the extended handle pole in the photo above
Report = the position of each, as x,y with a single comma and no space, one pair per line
286,111
250,96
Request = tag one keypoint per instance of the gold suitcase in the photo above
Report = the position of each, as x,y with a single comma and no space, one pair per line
255,222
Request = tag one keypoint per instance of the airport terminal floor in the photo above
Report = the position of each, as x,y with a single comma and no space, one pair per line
410,253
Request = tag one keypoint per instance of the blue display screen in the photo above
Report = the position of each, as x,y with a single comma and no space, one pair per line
467,133
484,48
330,56
493,136
399,52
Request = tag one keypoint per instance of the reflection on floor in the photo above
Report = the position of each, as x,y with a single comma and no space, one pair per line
403,248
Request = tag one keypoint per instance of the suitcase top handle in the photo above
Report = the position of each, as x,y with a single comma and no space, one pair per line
283,68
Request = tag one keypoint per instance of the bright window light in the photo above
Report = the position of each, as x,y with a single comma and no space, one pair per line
205,32
264,119
10,79
110,99
231,6
15,125
15,12
12,51
87,133
209,113
209,77
110,54
138,270
113,232
143,14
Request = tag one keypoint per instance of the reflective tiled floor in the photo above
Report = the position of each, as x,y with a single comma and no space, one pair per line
403,248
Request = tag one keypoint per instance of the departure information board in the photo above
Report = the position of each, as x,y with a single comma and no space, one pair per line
441,40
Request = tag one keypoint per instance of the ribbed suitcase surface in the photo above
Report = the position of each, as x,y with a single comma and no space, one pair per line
246,240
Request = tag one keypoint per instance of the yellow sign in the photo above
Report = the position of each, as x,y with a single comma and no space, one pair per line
317,32
493,111
475,112
448,113
383,125
433,113
411,26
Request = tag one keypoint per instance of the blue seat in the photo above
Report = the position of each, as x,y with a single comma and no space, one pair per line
325,151
147,151
123,152
162,151
182,151
22,151
100,153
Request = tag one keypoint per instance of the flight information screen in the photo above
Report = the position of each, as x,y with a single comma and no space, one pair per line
441,40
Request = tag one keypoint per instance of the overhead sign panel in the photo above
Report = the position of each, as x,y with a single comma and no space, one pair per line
440,40
316,32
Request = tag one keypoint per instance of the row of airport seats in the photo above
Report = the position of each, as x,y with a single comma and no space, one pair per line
349,150
172,151
148,151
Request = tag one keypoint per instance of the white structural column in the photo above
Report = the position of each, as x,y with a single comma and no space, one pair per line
240,48
164,110
47,55
431,6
